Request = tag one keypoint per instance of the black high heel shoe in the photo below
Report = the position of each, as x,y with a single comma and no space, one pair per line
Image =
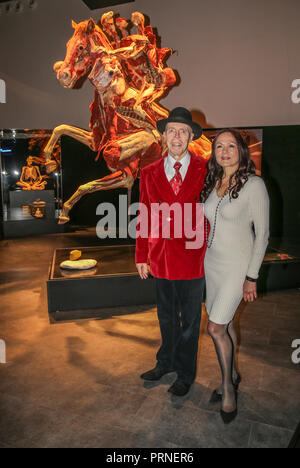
228,417
216,397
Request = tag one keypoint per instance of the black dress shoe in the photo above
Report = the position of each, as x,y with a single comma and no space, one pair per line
179,388
154,374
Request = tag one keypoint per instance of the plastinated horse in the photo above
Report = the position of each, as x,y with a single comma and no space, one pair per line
128,74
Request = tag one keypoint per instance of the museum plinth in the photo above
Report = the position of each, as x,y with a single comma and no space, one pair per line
114,282
18,221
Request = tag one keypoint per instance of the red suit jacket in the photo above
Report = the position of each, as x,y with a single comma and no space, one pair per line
169,256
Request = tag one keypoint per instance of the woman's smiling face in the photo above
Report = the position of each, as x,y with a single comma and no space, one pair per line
227,153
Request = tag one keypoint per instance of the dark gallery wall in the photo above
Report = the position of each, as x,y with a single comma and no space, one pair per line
236,60
281,172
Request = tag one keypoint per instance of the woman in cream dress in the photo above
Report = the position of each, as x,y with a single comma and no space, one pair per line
236,207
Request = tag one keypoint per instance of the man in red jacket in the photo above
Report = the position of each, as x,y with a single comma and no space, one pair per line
176,258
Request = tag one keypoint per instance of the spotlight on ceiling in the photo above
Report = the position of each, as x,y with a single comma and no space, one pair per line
32,4
94,4
19,7
8,8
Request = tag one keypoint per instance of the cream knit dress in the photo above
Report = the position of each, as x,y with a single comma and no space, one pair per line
236,251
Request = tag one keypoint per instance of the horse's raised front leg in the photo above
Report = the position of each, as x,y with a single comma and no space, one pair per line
116,154
79,134
111,181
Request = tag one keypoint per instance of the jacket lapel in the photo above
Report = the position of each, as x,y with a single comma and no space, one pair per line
162,184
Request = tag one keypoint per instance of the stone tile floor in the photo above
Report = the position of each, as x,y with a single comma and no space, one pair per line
76,384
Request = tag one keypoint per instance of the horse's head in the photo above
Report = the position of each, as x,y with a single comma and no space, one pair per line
80,55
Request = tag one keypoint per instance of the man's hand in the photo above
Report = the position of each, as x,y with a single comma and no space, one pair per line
249,291
142,269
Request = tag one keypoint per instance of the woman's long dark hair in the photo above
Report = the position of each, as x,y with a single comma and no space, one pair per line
215,171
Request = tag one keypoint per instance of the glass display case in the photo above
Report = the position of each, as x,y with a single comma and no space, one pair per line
31,199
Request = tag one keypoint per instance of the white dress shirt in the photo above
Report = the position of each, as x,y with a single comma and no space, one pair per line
169,166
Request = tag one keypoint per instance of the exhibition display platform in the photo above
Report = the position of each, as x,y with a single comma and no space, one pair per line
21,198
114,281
280,270
19,220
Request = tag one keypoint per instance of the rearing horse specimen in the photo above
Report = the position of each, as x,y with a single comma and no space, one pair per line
129,75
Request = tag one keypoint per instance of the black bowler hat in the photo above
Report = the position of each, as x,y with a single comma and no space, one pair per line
180,115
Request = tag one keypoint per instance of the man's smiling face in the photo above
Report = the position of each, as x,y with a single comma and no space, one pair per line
178,137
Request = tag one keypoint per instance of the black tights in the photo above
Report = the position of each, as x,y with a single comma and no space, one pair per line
225,341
